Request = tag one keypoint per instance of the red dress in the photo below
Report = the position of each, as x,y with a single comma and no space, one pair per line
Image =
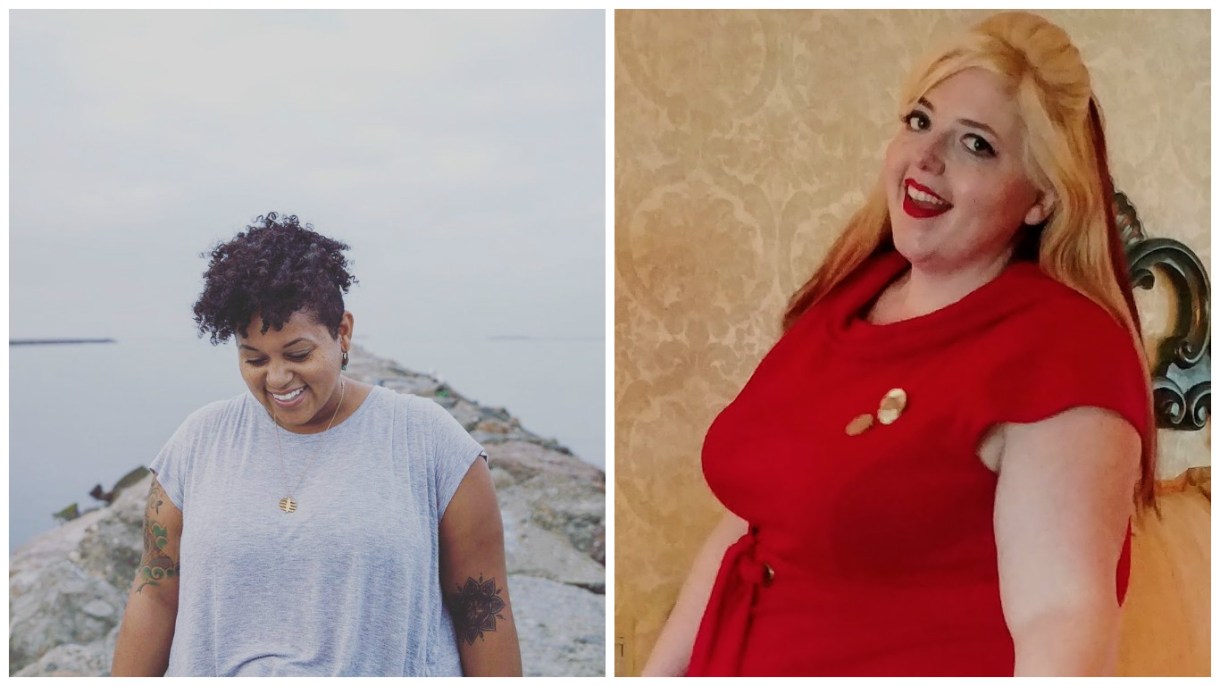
875,554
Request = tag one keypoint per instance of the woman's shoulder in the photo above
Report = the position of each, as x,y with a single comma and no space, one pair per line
213,425
218,412
414,410
1062,345
1056,309
431,427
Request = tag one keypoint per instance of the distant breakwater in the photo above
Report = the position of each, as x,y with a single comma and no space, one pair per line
58,341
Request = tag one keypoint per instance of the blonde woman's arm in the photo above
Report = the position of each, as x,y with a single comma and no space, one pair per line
1062,505
144,640
671,654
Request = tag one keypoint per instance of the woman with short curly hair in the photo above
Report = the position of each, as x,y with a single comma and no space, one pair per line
315,525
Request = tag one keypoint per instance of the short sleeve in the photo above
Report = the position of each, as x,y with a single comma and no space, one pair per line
1072,354
170,463
453,452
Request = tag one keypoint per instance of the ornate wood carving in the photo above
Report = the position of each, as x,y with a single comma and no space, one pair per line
1181,368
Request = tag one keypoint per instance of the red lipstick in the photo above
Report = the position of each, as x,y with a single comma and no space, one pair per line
920,209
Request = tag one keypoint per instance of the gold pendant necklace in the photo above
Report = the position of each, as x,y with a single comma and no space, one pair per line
288,503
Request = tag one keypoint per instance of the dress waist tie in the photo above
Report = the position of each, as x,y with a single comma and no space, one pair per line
721,640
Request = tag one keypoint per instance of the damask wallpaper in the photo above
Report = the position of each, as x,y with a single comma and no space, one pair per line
744,139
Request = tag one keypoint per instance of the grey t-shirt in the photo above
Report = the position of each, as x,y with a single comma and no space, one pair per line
346,585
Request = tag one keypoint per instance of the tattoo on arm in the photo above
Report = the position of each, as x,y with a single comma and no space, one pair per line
475,608
156,498
156,563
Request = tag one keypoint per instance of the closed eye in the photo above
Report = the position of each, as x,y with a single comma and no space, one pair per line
256,362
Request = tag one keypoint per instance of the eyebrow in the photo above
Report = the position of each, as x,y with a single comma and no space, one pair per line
289,344
968,122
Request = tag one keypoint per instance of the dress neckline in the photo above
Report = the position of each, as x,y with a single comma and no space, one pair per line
851,300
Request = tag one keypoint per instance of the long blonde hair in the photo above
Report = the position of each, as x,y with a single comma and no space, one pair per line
1065,152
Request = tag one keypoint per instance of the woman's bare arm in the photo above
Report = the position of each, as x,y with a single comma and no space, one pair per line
671,654
144,639
1062,505
474,578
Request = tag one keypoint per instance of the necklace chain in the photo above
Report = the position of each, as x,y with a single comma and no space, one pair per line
288,503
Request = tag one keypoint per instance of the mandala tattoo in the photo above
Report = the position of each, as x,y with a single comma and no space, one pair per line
476,606
156,564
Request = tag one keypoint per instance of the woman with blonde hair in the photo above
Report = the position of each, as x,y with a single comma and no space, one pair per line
933,472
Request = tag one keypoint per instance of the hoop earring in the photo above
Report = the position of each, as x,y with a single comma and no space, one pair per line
343,360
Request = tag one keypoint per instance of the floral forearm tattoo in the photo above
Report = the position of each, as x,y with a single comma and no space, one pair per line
475,608
156,564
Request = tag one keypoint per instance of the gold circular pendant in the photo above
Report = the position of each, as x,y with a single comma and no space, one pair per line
287,504
859,425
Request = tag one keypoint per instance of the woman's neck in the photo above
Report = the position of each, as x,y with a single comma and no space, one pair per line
921,291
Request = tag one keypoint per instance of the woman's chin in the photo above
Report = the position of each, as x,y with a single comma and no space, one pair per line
291,416
915,251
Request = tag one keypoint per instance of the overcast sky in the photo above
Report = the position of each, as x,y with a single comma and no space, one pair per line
460,148
461,155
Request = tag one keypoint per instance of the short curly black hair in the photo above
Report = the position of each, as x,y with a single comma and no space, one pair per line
276,267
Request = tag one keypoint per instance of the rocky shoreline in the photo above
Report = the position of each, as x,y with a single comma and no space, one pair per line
68,587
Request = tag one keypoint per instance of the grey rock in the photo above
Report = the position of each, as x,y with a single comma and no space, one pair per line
467,414
526,460
46,609
534,551
111,548
446,402
562,628
54,545
560,494
422,386
98,608
491,425
71,659
488,438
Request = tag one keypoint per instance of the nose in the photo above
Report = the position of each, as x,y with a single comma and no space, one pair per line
279,375
929,155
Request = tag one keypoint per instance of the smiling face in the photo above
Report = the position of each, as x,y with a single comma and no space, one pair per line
956,188
294,372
